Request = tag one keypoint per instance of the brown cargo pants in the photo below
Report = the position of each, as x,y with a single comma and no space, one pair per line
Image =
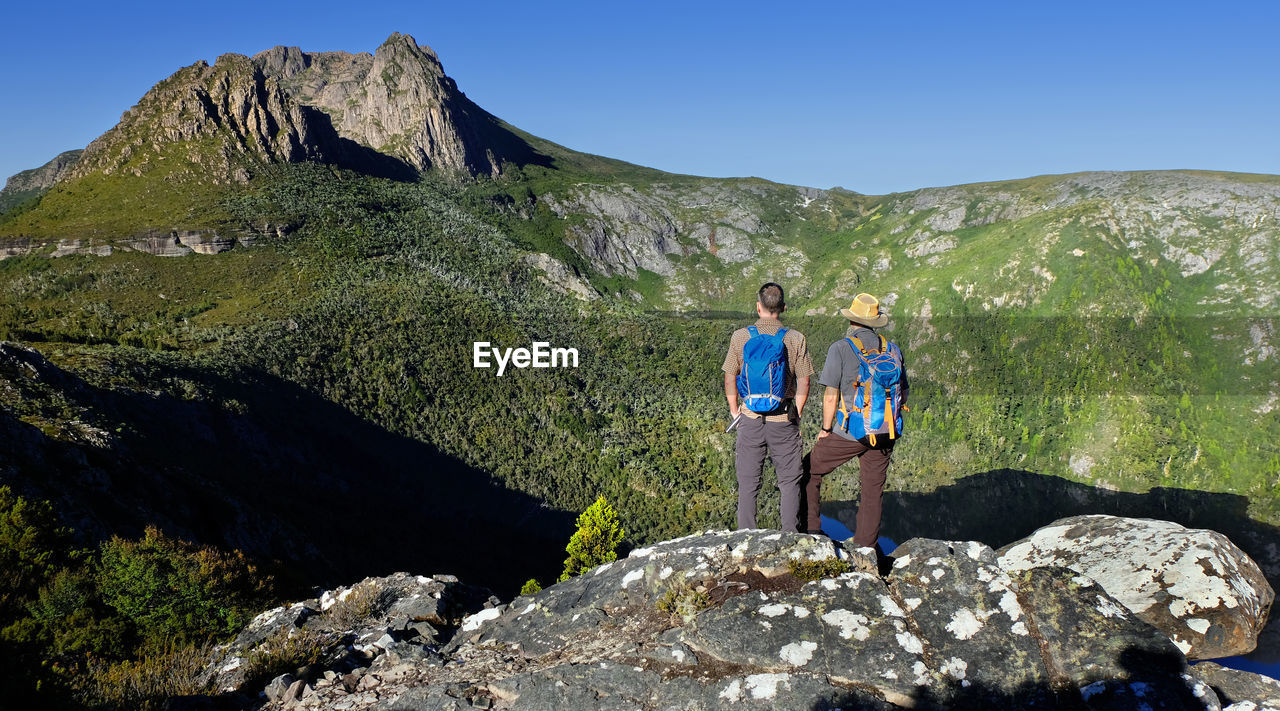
873,463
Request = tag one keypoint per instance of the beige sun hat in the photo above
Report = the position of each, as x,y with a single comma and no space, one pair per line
865,310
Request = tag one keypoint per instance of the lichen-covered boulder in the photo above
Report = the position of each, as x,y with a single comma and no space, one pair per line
1239,690
967,609
559,614
1194,585
378,620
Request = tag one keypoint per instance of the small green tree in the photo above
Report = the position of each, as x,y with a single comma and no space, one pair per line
531,586
32,548
596,540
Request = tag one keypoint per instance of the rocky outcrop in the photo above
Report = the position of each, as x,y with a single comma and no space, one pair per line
560,277
396,619
1195,586
30,183
753,619
1240,690
397,101
211,123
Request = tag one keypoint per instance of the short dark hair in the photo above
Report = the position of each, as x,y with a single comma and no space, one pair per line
770,298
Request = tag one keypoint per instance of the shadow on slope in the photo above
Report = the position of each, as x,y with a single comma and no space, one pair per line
257,463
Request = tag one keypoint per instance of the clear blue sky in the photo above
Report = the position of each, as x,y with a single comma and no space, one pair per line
875,97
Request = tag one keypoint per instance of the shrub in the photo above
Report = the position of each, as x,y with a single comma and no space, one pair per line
682,600
819,569
596,540
175,590
284,652
32,547
363,601
531,586
144,684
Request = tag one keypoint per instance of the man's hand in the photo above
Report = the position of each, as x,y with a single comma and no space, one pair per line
822,433
731,392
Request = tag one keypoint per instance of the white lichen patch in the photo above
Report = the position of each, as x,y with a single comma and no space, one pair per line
801,612
766,624
528,609
765,686
1198,624
829,585
772,537
975,550
921,672
902,562
955,667
851,624
964,624
632,577
1019,628
1009,603
889,607
912,603
910,642
473,622
666,573
938,573
733,692
603,568
641,553
774,610
798,654
1110,609
1181,644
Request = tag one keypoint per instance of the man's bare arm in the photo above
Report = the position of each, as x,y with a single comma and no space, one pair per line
830,400
731,392
802,394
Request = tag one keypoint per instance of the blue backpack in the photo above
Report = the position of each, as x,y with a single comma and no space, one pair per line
877,393
762,384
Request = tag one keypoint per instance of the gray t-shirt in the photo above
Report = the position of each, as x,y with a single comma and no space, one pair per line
841,368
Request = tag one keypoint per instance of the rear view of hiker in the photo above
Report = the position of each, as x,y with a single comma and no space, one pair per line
866,393
766,382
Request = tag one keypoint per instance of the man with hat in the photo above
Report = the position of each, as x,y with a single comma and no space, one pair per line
841,375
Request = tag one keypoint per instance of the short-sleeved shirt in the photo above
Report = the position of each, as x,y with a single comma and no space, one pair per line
841,367
799,364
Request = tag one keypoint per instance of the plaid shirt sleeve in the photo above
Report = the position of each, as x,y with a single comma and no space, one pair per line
798,355
733,358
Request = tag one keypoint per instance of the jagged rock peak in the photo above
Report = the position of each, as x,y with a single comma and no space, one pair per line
397,101
246,114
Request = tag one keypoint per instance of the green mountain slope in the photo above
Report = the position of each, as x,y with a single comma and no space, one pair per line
1113,329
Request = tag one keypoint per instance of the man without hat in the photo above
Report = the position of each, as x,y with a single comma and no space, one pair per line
775,431
841,375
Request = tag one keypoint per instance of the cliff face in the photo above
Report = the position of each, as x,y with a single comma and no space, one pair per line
210,123
397,101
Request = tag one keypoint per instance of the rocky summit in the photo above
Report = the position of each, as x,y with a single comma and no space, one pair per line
752,619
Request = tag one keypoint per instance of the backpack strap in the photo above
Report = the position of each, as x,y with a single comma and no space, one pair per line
753,331
781,332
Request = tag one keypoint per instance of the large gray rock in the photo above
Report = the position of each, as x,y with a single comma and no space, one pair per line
1194,585
967,611
1240,690
721,620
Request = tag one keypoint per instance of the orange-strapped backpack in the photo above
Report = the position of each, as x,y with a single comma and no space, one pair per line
877,393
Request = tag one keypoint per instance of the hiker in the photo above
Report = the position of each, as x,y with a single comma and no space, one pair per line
862,405
768,368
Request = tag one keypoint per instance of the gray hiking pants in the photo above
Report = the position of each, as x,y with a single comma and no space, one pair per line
782,442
